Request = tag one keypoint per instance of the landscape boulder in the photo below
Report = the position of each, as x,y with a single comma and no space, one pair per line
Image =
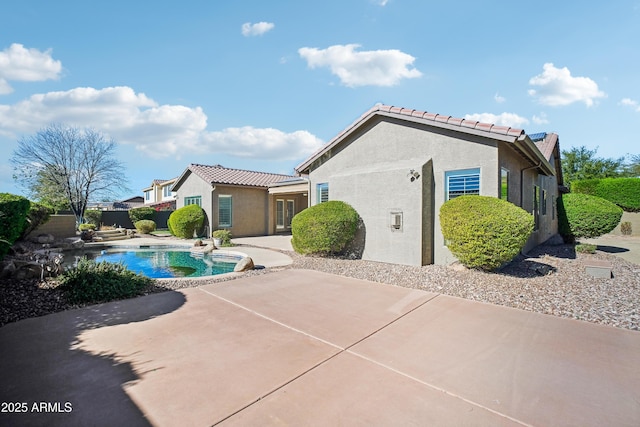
244,264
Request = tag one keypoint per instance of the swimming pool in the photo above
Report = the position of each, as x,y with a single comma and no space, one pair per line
162,263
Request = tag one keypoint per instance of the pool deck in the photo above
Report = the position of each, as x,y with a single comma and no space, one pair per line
299,347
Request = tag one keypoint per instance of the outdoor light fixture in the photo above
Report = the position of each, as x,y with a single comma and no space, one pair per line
413,175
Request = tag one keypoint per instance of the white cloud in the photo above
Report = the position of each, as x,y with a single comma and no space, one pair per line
541,119
628,102
364,68
28,65
382,2
499,99
557,87
504,119
156,130
262,143
258,29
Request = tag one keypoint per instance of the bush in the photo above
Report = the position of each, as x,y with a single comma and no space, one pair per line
94,282
186,221
581,215
85,227
138,214
484,232
624,192
13,219
224,236
145,226
625,228
323,229
38,214
92,216
586,248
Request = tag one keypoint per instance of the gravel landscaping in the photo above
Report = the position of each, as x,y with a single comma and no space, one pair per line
551,280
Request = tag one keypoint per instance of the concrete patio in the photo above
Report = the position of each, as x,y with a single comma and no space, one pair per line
301,347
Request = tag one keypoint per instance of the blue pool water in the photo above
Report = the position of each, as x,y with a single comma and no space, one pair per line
165,263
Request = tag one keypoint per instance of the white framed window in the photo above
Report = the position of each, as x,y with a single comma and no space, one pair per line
462,182
147,196
225,211
166,191
193,200
322,192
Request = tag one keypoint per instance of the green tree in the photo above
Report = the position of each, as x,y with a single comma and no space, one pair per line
580,163
632,167
79,163
48,193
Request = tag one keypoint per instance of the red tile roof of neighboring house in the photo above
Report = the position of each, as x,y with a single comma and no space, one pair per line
217,174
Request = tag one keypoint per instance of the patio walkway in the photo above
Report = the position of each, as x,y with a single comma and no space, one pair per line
300,347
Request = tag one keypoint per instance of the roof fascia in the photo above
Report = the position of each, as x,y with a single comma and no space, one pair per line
303,167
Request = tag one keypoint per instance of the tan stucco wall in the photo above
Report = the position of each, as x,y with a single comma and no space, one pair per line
249,210
371,175
194,186
59,226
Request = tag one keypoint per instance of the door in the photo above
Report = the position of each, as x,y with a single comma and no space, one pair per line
290,213
285,210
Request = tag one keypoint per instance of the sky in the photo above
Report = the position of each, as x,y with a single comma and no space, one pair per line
261,85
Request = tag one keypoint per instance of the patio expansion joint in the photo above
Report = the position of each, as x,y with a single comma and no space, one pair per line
322,362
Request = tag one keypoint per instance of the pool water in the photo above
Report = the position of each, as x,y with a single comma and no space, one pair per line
163,263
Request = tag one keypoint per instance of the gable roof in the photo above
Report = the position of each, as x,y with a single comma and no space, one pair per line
217,174
521,142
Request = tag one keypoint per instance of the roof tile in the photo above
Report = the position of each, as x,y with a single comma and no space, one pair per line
220,175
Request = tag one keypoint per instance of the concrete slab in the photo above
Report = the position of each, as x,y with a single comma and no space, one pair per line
303,347
350,391
332,308
538,369
280,242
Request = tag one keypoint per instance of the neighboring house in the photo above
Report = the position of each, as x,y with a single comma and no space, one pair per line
247,203
159,191
126,204
397,167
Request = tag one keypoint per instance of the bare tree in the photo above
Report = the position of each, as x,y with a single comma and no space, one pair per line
80,163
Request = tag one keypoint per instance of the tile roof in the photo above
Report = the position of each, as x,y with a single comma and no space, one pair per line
546,143
218,174
439,120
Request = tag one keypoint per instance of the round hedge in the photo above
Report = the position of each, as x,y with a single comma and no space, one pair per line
324,229
581,215
484,232
186,221
145,226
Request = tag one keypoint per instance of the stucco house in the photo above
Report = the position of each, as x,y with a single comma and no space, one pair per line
397,166
159,191
247,203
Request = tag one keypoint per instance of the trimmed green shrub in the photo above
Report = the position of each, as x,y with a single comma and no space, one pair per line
85,227
586,248
93,216
624,192
324,229
13,219
94,282
484,232
38,214
145,226
625,228
224,236
581,215
186,221
138,214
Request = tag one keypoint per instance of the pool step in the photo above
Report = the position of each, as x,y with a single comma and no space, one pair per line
108,235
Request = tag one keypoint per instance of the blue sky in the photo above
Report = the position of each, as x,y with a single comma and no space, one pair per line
261,85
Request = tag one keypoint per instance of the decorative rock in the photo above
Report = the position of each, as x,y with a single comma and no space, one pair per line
43,238
244,264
